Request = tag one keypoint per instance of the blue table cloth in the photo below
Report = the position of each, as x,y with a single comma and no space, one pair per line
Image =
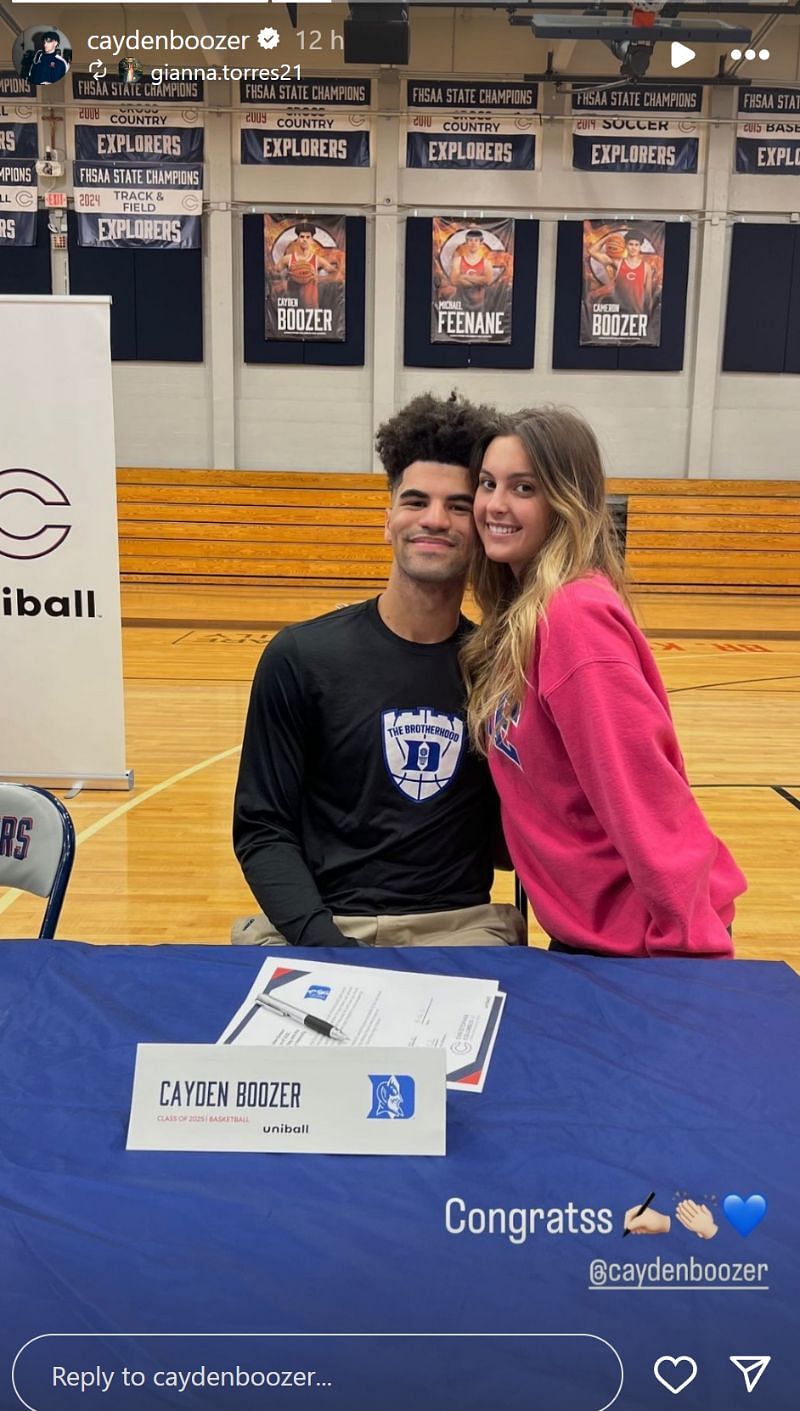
497,1276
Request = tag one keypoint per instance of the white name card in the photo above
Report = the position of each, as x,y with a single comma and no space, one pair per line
357,1101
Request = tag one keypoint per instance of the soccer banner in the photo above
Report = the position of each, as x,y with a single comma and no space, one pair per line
141,137
18,203
623,268
637,129
308,92
304,139
634,145
472,281
768,131
159,232
478,141
305,277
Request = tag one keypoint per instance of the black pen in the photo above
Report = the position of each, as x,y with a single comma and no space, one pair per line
639,1212
300,1016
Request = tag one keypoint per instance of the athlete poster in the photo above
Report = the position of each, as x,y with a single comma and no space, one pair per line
623,271
472,280
305,272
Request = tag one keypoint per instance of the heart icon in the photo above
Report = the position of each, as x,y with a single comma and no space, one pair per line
744,1215
670,1378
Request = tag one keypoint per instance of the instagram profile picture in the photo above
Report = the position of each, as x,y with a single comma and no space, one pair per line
42,54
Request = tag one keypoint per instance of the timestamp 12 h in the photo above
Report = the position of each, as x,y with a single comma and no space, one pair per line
309,39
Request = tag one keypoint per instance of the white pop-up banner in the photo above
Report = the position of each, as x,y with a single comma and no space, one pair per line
60,637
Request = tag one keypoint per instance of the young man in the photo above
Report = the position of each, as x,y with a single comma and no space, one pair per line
361,815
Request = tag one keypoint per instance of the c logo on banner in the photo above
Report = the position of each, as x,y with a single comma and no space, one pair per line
45,492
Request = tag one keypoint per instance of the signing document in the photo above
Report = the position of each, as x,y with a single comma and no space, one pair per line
314,1003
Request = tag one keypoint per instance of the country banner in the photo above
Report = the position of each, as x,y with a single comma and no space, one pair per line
472,284
18,202
623,272
305,139
110,232
305,274
768,132
453,141
142,137
616,144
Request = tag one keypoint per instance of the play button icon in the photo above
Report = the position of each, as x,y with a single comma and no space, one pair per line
681,55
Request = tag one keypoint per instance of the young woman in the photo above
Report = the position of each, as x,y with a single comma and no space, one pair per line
567,703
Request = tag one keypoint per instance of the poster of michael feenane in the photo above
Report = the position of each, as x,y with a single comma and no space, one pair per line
472,280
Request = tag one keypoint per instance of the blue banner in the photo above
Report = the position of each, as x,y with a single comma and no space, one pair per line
139,147
770,102
17,227
18,139
314,92
450,152
104,176
90,89
12,86
486,94
768,133
642,98
144,232
628,151
305,149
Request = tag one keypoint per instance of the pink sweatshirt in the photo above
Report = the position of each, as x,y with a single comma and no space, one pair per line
601,824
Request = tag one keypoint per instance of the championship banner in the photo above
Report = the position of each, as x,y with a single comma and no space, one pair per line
308,92
142,137
159,232
611,141
768,131
472,281
485,94
623,272
305,139
59,561
129,206
12,86
305,277
116,90
18,203
478,141
634,145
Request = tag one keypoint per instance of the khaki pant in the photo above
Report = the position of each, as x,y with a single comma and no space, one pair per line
491,925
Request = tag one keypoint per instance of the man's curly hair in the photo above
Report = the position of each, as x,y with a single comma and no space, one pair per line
431,429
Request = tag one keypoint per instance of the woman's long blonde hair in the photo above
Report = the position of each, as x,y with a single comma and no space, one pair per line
567,467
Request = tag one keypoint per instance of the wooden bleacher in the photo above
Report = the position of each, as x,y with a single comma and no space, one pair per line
254,529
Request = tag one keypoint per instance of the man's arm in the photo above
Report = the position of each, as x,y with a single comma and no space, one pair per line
268,802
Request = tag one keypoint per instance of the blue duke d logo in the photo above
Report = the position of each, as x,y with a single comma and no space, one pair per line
422,749
392,1096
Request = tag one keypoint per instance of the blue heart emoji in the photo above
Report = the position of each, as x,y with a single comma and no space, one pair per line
744,1215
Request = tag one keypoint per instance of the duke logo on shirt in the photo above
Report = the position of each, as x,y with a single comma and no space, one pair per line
422,749
392,1096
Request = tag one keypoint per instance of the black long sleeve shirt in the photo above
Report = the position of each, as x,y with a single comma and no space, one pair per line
358,793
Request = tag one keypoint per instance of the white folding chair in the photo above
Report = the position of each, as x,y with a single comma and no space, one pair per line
37,847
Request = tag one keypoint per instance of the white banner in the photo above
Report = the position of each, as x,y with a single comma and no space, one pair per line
59,567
